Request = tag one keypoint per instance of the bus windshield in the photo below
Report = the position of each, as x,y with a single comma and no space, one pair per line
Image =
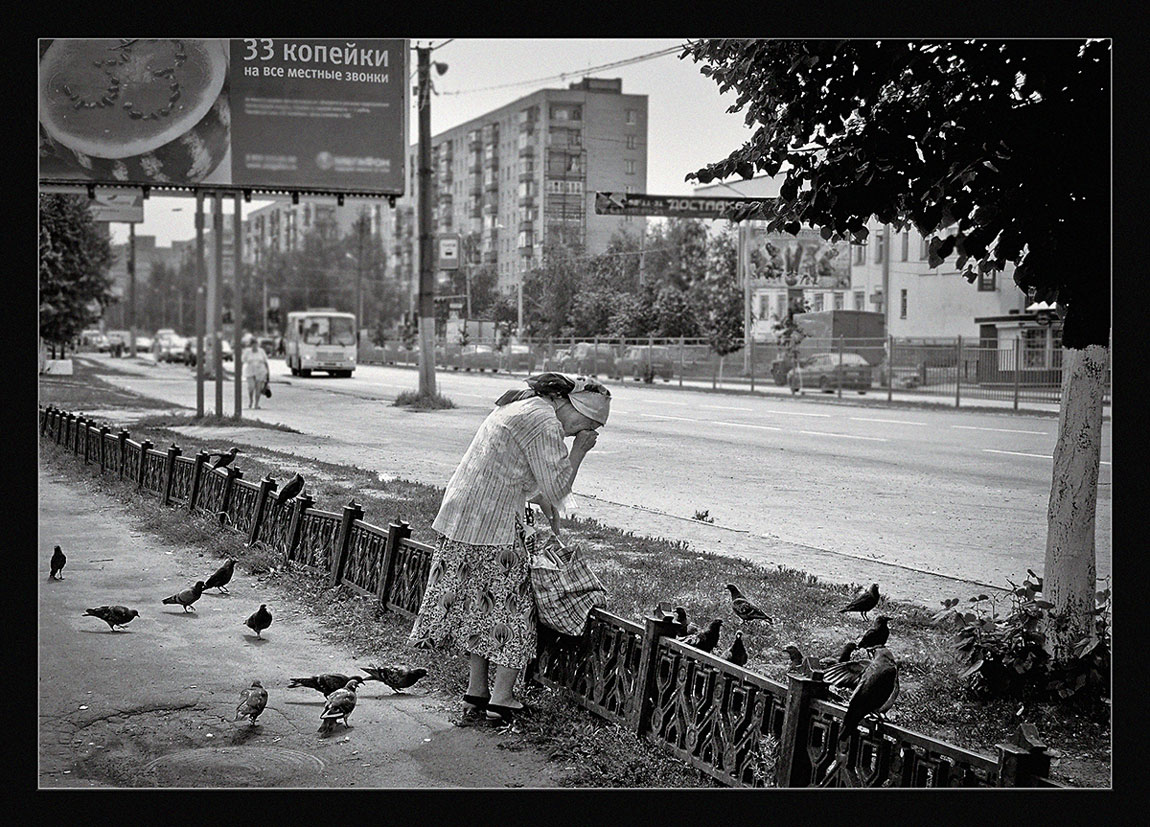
329,330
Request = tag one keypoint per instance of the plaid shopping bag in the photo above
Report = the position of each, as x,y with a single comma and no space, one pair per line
565,587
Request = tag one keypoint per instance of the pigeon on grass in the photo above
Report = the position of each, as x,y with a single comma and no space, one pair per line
863,602
876,635
745,609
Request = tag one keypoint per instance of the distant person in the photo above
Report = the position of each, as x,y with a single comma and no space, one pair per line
255,371
479,593
279,346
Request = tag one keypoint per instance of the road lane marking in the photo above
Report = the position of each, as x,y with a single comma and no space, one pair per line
725,408
846,436
1000,430
747,425
891,421
1039,456
661,416
793,413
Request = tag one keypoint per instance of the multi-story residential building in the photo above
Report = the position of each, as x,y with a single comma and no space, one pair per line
147,256
523,176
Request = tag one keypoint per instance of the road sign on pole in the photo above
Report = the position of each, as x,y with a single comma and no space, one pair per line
449,251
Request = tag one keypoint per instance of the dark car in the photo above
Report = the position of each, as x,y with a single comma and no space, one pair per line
638,361
479,357
518,359
829,371
589,359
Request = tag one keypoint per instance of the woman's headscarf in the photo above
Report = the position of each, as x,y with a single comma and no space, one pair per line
587,396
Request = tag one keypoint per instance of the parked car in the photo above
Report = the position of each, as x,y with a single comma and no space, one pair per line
168,344
143,344
479,357
590,359
267,344
118,341
93,339
824,371
518,359
637,360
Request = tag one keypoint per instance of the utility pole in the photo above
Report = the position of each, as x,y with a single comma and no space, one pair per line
217,279
132,290
237,306
426,265
201,304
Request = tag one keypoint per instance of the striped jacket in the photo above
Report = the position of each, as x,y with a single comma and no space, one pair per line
517,451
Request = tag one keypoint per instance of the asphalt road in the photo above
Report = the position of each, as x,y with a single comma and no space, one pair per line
852,490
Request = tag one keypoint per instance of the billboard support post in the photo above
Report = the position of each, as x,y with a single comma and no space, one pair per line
132,290
426,263
201,301
237,303
216,282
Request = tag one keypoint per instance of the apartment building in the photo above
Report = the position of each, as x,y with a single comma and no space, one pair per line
524,175
282,225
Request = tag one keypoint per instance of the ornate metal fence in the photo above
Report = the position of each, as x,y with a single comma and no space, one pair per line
736,725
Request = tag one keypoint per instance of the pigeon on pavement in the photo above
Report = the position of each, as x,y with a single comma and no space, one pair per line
113,615
745,609
252,702
186,597
863,602
397,677
326,683
737,654
57,564
339,705
875,693
221,576
706,639
876,635
260,619
225,458
291,489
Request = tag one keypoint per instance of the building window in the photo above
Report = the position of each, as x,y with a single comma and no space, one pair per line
1034,348
629,166
878,247
630,116
818,301
860,300
860,253
781,305
923,248
905,245
988,282
630,142
902,304
838,301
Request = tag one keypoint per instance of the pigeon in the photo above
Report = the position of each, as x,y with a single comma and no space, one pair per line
113,615
810,664
875,693
796,656
326,683
396,677
252,702
706,639
260,619
847,652
681,619
844,677
57,564
225,458
737,654
188,596
745,609
222,576
291,489
863,602
339,705
876,635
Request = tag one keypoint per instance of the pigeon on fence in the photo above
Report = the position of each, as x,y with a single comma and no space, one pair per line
259,620
339,705
226,457
809,664
57,564
291,489
326,683
745,609
252,702
221,576
396,677
737,654
681,619
186,597
863,602
876,635
875,693
113,615
705,639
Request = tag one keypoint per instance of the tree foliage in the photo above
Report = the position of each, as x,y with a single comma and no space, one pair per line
996,150
74,285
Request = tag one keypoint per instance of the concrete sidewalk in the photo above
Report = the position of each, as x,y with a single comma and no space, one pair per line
152,706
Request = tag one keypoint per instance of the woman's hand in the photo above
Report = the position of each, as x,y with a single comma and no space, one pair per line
585,440
549,511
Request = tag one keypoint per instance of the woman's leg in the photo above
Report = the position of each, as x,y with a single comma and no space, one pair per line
477,677
505,678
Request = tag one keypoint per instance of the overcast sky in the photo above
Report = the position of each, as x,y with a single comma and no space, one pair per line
688,122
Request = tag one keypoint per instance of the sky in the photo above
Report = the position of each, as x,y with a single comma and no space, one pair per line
688,122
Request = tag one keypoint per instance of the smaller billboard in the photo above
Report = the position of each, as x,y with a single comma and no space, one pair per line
685,206
127,208
449,251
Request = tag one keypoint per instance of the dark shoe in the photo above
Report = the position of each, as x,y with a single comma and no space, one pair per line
473,703
497,714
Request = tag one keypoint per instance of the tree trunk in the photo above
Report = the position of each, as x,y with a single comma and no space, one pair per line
1069,580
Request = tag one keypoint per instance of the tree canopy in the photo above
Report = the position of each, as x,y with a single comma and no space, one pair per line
999,151
73,275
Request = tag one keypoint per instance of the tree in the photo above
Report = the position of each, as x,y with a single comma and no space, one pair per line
998,152
718,309
73,270
676,252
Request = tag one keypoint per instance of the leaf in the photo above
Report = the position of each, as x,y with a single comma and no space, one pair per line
1043,604
966,673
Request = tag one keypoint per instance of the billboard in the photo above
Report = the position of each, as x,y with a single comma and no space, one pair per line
122,207
261,114
684,206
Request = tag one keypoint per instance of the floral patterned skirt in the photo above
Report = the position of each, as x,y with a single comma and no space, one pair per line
480,598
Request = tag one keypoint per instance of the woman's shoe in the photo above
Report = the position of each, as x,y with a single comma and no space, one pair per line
474,706
498,714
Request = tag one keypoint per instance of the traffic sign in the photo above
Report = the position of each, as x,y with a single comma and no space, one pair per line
449,251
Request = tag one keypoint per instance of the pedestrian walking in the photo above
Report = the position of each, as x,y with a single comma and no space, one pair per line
255,371
478,592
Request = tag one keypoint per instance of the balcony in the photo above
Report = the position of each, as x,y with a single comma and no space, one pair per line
492,185
490,257
527,200
527,151
526,174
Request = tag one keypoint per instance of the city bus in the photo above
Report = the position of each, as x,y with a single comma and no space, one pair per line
321,338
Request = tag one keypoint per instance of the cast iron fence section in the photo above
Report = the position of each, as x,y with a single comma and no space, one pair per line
738,726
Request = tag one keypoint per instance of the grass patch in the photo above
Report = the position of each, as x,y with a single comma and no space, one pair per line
638,573
176,420
422,401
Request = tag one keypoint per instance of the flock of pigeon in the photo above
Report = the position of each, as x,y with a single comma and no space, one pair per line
868,685
338,689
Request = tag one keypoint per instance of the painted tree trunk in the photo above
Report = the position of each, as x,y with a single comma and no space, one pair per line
1069,575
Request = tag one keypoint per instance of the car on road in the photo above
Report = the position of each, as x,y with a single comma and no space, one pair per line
168,346
118,341
638,360
591,359
93,339
267,344
829,371
518,359
143,344
479,357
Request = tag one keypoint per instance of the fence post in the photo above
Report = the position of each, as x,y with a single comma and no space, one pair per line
794,765
79,433
957,371
839,375
44,414
122,438
595,357
169,473
639,714
351,512
682,357
302,503
751,348
1017,369
197,478
229,488
889,368
267,485
145,445
104,429
1023,758
396,531
87,442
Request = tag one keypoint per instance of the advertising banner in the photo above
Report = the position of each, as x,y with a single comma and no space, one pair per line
306,116
684,206
126,208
